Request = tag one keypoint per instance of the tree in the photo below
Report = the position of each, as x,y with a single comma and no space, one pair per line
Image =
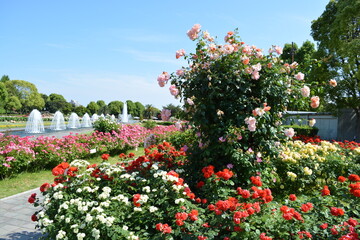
27,93
140,110
150,111
5,78
56,102
93,107
115,107
3,97
102,107
80,110
131,107
337,32
13,104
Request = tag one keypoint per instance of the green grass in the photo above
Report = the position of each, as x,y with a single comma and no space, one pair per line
29,180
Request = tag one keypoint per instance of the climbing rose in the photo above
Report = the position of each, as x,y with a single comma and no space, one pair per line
315,102
305,91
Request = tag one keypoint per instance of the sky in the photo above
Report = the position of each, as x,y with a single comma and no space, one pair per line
113,50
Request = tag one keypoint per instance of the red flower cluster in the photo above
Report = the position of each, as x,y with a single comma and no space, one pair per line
225,174
164,154
316,139
96,173
336,211
256,180
354,178
105,156
264,237
290,213
64,168
292,197
34,218
303,234
341,179
265,194
307,207
136,198
193,215
32,198
164,228
44,187
355,189
325,191
201,238
180,218
208,171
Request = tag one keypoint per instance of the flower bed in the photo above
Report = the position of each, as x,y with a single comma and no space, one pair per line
21,153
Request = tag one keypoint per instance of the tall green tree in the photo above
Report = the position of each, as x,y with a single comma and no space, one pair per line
131,107
115,107
27,93
13,104
140,110
93,107
102,107
80,110
56,102
3,97
337,32
4,78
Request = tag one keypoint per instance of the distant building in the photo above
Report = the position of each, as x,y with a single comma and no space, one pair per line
75,103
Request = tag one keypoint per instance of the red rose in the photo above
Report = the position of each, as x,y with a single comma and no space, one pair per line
292,197
34,218
44,187
324,226
341,179
208,171
105,157
354,178
256,181
325,191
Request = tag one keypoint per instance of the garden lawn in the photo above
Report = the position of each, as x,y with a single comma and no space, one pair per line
29,180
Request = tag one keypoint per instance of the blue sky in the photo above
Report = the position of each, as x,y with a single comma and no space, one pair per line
89,50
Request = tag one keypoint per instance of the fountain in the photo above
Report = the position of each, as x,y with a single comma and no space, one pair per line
86,121
74,121
35,123
124,117
94,117
58,122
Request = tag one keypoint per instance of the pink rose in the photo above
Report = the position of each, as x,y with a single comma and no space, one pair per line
180,53
315,102
228,49
163,79
173,90
299,76
305,91
278,50
289,132
193,32
180,72
255,75
333,82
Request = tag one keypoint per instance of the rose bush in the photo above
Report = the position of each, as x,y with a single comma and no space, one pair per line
234,96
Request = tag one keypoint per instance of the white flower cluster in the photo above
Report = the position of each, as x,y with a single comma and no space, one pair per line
61,235
79,163
108,221
121,198
106,193
179,200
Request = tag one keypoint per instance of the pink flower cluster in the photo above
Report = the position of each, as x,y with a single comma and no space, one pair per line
251,122
163,79
193,33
